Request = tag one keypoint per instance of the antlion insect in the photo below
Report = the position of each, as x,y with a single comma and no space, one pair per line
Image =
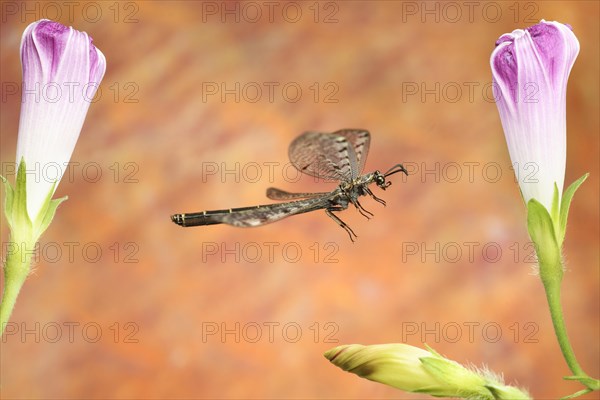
336,156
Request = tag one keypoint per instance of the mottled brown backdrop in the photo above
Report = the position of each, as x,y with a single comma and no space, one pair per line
196,111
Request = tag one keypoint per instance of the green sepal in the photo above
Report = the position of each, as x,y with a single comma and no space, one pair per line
555,204
47,212
8,201
15,209
432,351
465,383
541,231
501,392
565,204
555,213
21,225
441,367
48,215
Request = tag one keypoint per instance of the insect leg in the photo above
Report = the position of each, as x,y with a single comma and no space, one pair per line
377,199
367,214
329,212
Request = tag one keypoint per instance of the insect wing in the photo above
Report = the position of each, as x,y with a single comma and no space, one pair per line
360,140
282,195
324,155
266,214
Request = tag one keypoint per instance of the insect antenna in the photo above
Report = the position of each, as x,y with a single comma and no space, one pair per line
395,169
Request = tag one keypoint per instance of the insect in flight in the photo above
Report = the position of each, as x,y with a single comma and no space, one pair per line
338,156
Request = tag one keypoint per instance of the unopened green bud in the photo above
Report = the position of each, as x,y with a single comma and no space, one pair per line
416,370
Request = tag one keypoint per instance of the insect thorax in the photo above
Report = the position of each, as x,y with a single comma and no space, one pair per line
355,188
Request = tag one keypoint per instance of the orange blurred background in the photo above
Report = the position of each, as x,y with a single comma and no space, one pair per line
198,106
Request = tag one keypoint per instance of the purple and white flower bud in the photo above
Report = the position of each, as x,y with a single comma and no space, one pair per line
62,70
530,71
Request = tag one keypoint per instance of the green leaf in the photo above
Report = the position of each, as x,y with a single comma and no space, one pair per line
575,395
566,204
591,383
541,231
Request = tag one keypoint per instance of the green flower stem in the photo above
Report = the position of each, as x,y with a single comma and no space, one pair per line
16,270
548,236
552,287
556,312
24,234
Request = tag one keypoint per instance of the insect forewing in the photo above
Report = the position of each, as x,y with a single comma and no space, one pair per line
360,140
326,155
